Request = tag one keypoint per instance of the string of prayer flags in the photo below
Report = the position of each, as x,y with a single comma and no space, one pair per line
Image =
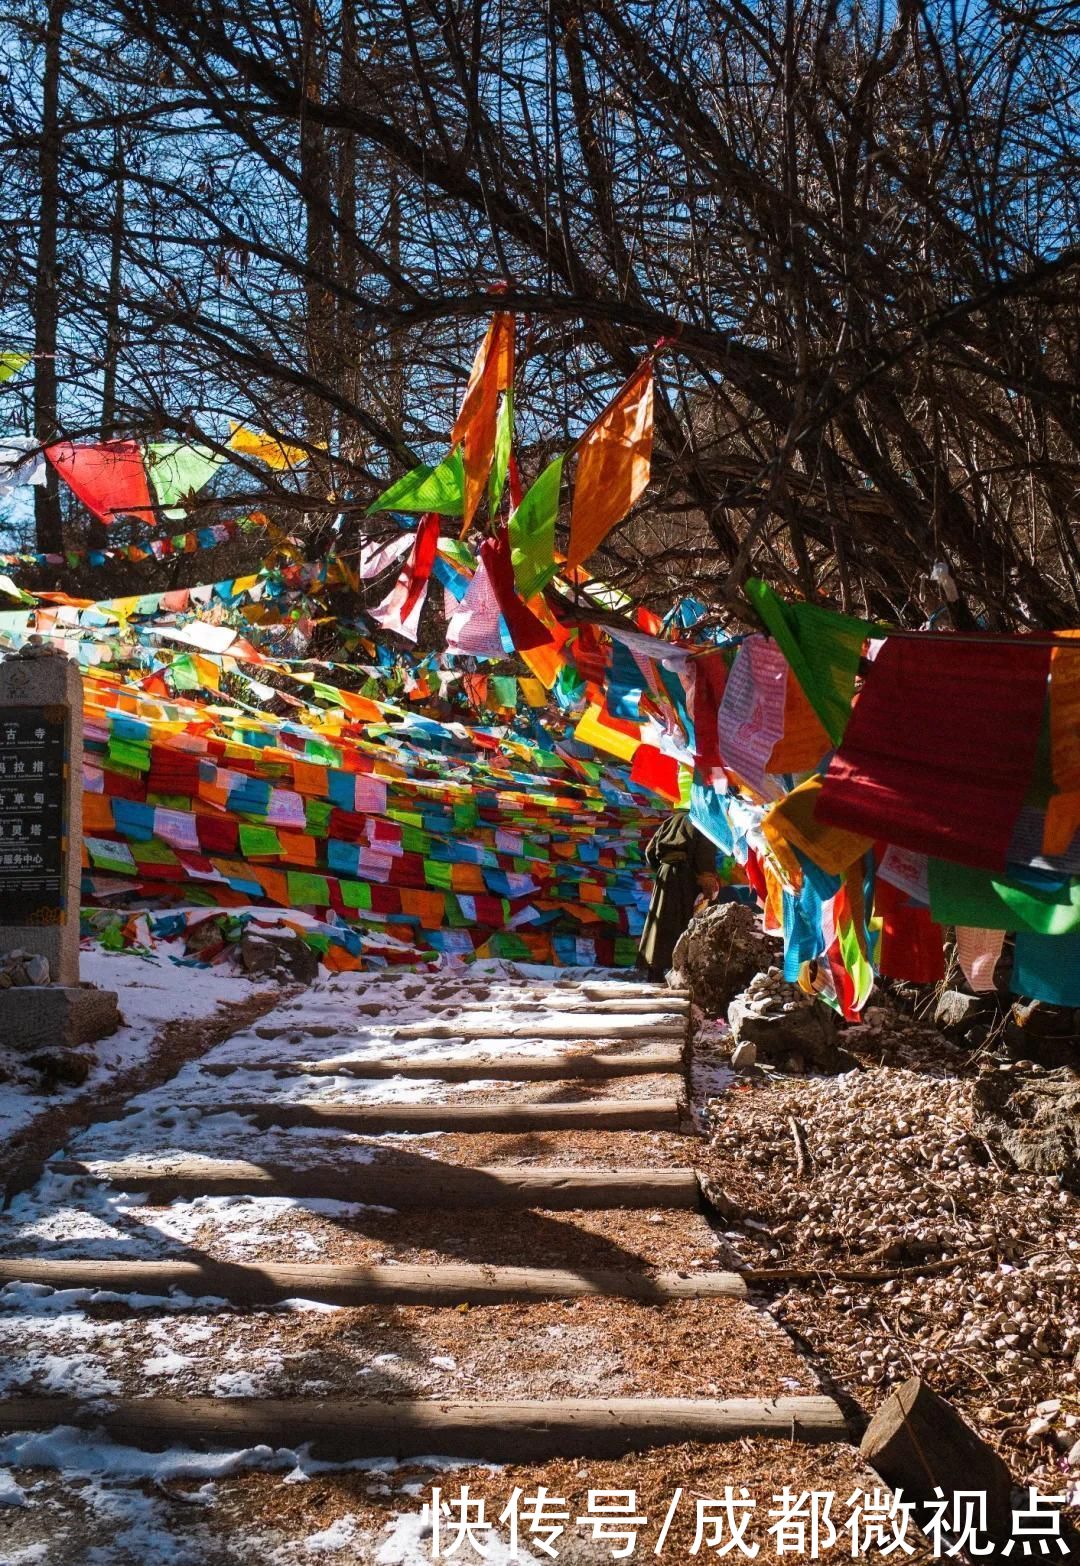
476,424
614,461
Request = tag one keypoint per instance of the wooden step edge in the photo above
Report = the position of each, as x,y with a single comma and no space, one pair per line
546,1030
449,1284
515,1068
348,1428
426,1183
629,1114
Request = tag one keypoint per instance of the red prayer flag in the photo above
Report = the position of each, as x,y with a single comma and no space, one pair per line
710,677
940,748
109,478
653,770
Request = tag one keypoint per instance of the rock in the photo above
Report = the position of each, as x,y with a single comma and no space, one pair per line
744,1056
61,1067
37,969
785,1025
1034,1119
956,1012
60,1014
277,956
719,953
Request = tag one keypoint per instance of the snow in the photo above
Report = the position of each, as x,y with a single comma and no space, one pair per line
152,992
339,1534
11,1492
91,1454
49,1340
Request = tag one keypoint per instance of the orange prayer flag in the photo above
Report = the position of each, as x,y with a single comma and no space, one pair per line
310,778
804,741
613,466
474,427
1065,713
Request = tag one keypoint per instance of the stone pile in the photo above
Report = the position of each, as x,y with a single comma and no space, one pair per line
785,1026
19,968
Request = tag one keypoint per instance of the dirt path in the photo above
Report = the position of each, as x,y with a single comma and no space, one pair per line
551,1299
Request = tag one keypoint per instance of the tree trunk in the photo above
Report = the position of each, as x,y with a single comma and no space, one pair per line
112,302
49,527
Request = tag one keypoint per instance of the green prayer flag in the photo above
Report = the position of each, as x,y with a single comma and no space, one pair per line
438,875
259,842
176,470
989,900
457,550
317,813
183,674
11,362
503,690
153,853
822,648
355,894
441,489
500,461
308,891
532,531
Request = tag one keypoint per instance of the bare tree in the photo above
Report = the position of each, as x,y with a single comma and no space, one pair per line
857,228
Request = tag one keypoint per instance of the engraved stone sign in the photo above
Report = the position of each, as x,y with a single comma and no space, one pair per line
41,850
34,767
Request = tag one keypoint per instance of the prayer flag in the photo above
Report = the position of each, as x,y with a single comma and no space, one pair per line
177,470
926,761
613,465
475,426
441,489
109,477
823,649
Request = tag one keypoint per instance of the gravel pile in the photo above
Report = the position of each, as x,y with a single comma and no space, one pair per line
879,1171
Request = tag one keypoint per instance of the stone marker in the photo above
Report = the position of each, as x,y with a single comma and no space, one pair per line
41,853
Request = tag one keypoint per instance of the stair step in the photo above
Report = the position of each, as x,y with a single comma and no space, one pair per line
425,1183
450,1284
346,1428
601,1114
511,1068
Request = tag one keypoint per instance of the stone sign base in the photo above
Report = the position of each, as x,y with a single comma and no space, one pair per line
41,1016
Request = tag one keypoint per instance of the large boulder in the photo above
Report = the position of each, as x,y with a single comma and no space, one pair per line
281,955
718,954
780,1021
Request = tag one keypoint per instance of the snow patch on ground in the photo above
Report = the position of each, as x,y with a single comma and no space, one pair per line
152,993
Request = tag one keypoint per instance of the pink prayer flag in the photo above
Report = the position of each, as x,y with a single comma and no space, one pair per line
751,715
977,952
474,627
